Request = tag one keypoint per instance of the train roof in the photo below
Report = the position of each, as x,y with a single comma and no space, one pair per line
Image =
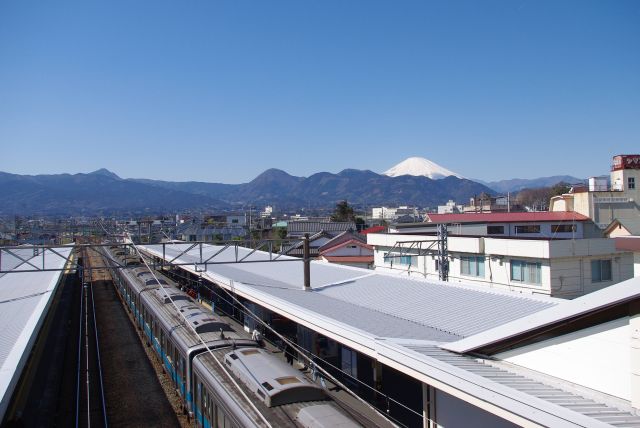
175,309
294,414
272,380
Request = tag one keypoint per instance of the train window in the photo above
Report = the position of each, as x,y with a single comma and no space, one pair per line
261,394
267,385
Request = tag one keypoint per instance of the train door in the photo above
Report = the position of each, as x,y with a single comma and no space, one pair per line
182,377
196,400
163,348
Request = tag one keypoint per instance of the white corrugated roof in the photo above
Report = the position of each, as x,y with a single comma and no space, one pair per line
24,300
521,394
454,311
613,295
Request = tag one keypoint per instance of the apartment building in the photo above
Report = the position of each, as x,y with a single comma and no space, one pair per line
536,225
564,268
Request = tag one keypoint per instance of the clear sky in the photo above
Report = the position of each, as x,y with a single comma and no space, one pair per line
221,90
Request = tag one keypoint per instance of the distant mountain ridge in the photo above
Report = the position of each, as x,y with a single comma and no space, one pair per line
104,192
324,189
89,194
517,184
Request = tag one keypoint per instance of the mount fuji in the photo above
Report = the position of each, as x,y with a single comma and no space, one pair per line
420,167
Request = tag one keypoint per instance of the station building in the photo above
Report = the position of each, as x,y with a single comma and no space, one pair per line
438,354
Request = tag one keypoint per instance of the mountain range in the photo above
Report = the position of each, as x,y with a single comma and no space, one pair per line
517,184
103,192
416,181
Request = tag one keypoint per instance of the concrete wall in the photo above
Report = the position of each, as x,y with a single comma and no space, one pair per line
596,357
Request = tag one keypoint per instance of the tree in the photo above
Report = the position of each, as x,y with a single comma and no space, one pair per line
343,212
281,232
539,199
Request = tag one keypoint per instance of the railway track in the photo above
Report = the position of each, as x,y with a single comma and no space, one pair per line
91,408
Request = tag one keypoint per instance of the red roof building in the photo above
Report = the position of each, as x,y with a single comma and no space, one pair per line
374,229
519,217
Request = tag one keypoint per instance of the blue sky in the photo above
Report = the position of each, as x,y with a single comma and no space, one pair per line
221,90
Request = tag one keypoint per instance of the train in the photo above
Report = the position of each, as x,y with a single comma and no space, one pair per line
223,378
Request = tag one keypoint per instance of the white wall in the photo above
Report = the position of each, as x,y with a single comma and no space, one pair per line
346,251
598,357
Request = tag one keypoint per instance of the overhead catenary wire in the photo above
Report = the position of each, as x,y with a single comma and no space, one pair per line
304,353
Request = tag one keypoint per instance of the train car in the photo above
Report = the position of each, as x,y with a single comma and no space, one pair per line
170,319
279,393
174,324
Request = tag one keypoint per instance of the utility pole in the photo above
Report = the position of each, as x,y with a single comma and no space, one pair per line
443,253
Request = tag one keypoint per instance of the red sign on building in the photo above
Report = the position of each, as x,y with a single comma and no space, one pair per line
626,162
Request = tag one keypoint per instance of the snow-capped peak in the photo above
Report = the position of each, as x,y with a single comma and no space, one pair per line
420,167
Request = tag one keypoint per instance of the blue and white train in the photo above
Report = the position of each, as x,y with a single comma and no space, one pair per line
216,370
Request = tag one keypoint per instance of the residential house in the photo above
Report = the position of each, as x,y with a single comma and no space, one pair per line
348,248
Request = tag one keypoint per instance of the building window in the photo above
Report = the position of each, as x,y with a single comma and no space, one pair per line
527,272
495,230
531,228
600,270
563,228
407,260
472,266
400,260
631,183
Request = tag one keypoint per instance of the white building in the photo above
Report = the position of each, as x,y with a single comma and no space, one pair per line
450,207
602,202
268,211
560,268
548,225
383,213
